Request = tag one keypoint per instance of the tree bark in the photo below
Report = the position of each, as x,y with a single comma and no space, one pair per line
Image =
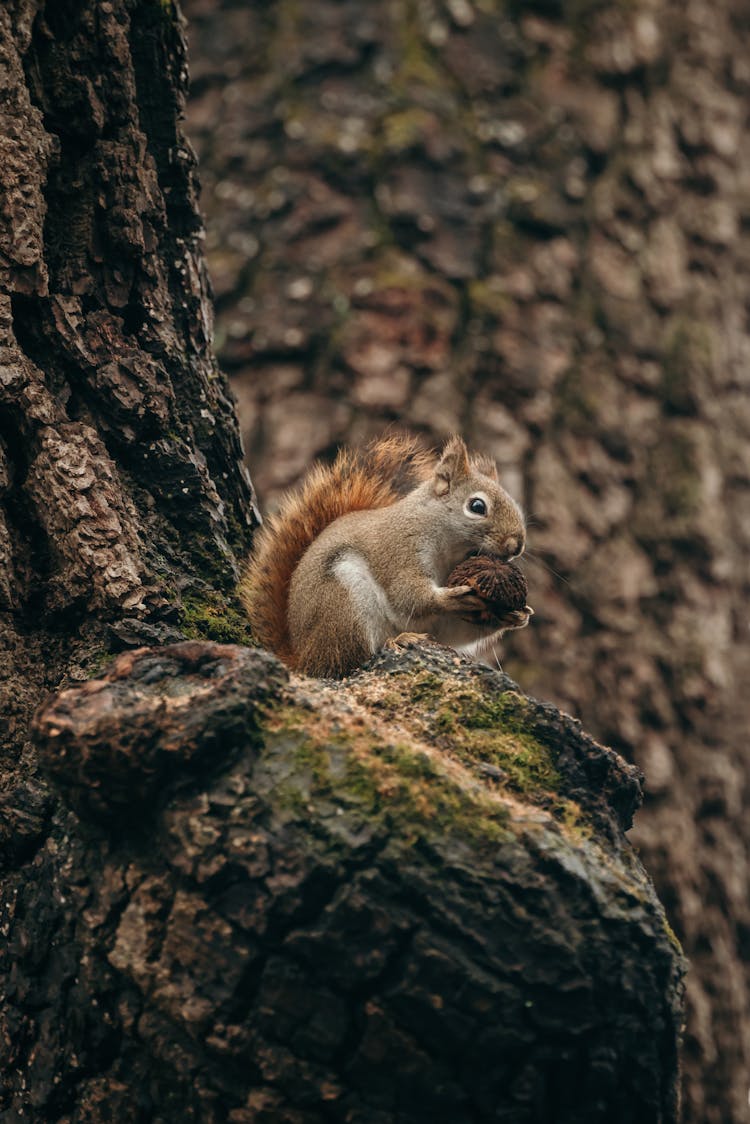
124,500
124,505
529,224
226,896
403,898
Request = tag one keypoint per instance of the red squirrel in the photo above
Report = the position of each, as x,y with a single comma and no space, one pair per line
361,553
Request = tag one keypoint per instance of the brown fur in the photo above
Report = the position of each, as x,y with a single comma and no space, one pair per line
362,551
375,478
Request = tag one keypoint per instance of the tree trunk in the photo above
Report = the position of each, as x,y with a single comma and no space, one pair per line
528,223
227,896
407,898
124,502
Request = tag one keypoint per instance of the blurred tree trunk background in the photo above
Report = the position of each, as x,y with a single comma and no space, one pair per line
529,223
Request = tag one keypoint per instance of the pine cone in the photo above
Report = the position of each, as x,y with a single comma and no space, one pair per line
501,585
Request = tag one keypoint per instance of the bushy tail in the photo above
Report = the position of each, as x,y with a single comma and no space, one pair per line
376,477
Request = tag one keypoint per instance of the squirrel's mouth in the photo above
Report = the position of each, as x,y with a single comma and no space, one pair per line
500,559
486,554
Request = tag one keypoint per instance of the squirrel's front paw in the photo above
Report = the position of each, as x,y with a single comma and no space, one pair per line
462,599
503,621
516,618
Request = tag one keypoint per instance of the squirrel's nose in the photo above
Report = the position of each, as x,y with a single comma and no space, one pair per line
513,546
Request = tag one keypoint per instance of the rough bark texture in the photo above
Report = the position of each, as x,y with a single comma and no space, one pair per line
529,223
114,423
405,898
223,898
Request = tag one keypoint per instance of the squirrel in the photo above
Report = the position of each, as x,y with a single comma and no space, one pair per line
361,553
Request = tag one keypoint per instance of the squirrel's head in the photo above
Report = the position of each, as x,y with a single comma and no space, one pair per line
486,518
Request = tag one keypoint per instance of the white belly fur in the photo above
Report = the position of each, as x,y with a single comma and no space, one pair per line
368,597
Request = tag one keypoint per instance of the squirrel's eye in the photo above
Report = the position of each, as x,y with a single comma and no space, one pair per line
477,506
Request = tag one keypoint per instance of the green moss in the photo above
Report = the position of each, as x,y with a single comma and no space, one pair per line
239,533
425,686
492,729
477,728
95,663
673,938
450,757
310,755
398,784
211,616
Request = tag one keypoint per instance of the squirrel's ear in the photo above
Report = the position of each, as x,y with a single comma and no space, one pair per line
487,467
452,467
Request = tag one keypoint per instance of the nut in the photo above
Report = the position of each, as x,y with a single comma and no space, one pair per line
502,585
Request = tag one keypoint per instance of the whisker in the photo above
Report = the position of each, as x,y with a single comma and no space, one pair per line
540,562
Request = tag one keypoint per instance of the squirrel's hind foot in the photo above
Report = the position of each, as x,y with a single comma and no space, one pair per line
407,640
